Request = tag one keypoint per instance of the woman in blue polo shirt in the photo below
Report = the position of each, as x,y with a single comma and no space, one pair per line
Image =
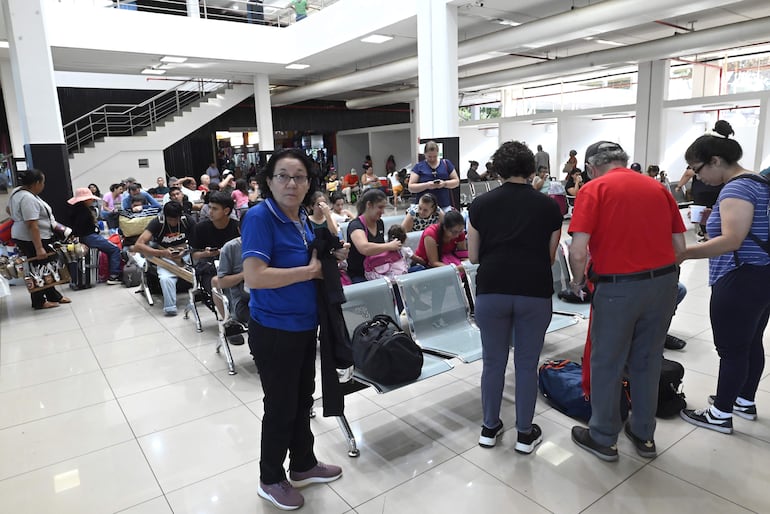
434,175
282,330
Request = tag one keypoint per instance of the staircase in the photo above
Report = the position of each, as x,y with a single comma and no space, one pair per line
117,140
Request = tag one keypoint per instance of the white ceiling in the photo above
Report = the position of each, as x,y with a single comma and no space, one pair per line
473,21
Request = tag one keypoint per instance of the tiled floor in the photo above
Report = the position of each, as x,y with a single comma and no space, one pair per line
107,406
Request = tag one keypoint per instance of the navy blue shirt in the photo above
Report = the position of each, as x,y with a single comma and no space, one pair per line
269,235
427,174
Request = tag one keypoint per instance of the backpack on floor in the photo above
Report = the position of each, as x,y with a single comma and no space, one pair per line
385,353
561,383
670,396
132,275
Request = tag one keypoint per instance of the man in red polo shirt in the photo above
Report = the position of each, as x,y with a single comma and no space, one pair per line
634,230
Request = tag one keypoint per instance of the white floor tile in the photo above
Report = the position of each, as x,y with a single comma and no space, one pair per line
454,486
392,453
47,368
171,405
671,495
138,348
35,346
107,480
202,448
155,506
235,492
50,398
120,329
731,466
162,370
558,475
65,436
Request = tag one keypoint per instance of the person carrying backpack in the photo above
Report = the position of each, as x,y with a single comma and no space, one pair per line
739,274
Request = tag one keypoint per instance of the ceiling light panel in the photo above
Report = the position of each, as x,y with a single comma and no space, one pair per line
376,39
297,66
172,59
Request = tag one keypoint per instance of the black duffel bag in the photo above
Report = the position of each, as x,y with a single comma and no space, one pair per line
384,353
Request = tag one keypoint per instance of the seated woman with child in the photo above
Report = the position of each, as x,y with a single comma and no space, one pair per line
366,233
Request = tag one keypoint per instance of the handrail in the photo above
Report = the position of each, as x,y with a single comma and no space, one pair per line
244,11
129,119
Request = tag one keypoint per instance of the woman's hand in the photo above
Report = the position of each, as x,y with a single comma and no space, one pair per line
393,246
325,209
314,267
342,253
40,252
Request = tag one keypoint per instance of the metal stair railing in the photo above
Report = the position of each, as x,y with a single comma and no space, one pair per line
129,119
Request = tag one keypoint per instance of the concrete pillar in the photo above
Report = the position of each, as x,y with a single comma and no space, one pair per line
11,110
37,100
651,92
264,112
762,155
437,74
193,9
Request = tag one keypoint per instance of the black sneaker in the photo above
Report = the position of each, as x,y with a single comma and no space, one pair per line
674,343
749,412
703,418
488,437
645,449
525,443
114,280
582,438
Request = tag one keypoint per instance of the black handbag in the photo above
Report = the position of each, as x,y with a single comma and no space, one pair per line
384,353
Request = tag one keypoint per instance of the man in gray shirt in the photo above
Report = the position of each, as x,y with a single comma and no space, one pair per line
230,279
542,159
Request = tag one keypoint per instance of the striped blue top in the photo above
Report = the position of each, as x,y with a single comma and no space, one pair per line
749,252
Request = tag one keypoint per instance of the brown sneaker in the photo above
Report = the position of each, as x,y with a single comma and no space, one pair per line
282,495
318,474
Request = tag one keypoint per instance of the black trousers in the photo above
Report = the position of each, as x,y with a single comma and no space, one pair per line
51,294
286,364
740,309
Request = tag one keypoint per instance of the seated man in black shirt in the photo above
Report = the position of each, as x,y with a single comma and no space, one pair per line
211,235
169,233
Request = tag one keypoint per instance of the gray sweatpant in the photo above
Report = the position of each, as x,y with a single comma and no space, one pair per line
498,317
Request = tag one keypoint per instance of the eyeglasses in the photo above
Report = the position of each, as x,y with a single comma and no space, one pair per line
696,169
300,180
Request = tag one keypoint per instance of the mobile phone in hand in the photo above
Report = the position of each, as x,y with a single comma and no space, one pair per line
437,181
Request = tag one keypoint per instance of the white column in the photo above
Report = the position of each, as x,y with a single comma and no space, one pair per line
32,69
651,92
193,9
264,112
762,156
414,131
437,59
11,110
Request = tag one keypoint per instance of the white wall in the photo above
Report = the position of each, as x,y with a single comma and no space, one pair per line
351,149
579,132
391,142
476,145
123,165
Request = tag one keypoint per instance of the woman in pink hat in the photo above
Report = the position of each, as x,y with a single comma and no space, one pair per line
85,228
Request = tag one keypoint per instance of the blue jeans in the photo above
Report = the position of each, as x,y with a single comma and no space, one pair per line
112,251
498,317
168,286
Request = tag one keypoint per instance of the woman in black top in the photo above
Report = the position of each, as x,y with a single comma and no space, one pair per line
370,239
703,195
85,228
513,232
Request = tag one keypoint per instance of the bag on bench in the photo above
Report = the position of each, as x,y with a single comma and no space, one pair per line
384,353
